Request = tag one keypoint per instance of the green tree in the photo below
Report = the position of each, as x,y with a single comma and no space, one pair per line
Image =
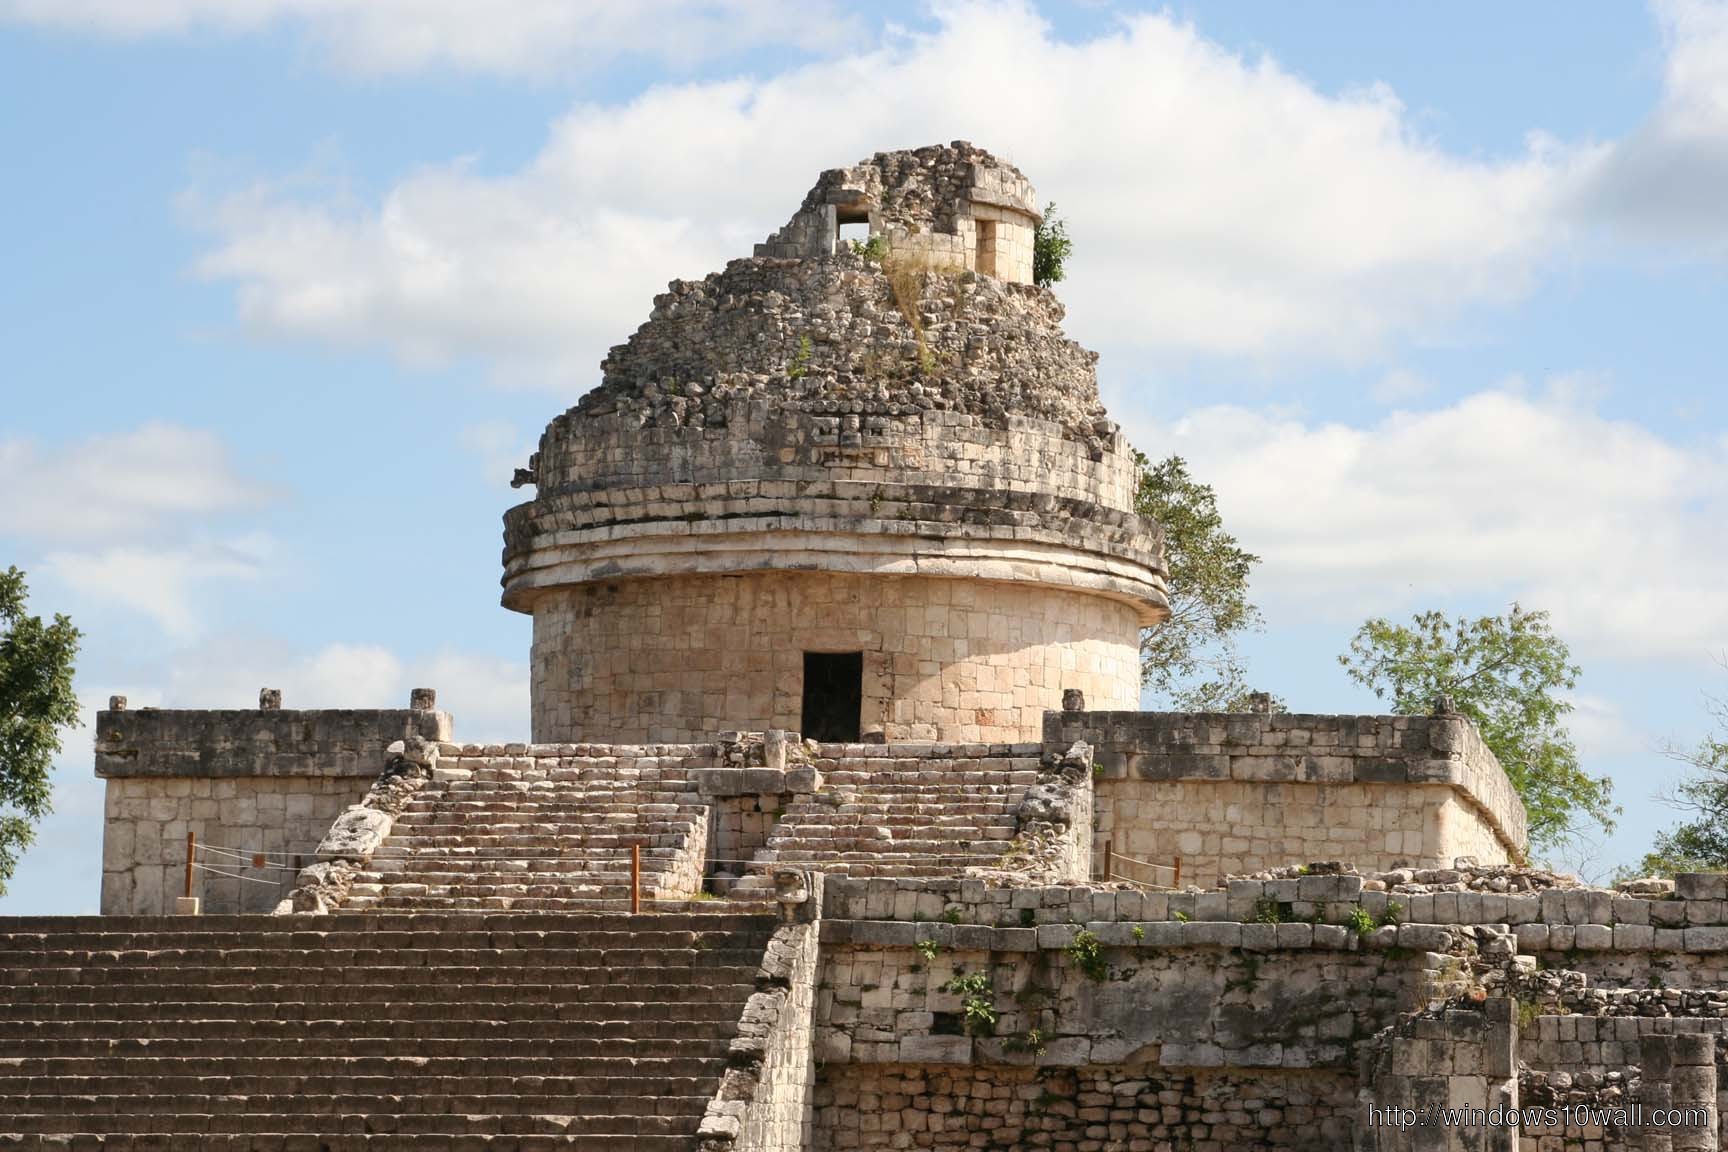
36,702
1190,661
1050,248
1506,673
1701,843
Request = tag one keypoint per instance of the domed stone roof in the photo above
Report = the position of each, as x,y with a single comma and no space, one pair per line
912,406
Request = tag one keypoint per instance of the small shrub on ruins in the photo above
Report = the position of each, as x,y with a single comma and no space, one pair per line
1268,911
873,249
1087,952
1051,248
1139,933
1394,914
977,1002
801,360
928,949
951,914
1360,921
1032,1041
1180,916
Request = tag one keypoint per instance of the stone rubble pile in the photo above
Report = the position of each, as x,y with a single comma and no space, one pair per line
831,336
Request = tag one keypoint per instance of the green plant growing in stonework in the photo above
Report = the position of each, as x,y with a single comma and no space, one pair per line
1268,911
1051,248
36,703
874,249
1360,921
1087,952
1393,914
1032,1041
801,359
977,1002
1139,933
928,949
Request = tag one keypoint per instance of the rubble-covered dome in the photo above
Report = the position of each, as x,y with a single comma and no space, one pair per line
841,334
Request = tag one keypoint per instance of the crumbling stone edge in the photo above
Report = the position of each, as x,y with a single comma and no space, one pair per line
763,1100
356,834
1053,840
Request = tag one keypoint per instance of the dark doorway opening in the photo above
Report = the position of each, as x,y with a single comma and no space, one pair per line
833,696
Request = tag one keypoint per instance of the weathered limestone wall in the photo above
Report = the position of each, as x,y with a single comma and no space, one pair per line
146,820
1007,1109
1297,1003
949,660
1459,1059
253,781
1241,793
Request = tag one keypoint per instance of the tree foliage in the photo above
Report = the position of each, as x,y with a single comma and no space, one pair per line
1050,248
1701,843
1507,674
1190,660
36,702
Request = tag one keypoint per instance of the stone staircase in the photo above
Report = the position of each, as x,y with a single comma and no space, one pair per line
546,833
349,1033
912,816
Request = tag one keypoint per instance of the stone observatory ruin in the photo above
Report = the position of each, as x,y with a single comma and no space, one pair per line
853,497
838,826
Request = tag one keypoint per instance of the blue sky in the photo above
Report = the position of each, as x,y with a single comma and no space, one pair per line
1431,294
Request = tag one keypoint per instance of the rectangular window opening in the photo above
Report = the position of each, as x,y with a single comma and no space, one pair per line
985,262
833,696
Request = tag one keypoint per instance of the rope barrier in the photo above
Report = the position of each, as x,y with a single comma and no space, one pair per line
214,871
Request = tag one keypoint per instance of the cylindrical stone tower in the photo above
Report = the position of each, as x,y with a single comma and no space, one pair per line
859,495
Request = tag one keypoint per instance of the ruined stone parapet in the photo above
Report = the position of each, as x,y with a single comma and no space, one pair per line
270,741
1378,791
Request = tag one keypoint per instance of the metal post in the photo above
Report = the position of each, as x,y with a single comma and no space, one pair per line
1107,860
191,855
635,878
1178,883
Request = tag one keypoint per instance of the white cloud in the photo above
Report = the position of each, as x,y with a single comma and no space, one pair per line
499,447
540,37
121,486
1219,204
162,584
1398,386
1613,528
131,519
1661,186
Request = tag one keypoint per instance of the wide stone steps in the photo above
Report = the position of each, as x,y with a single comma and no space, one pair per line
437,1115
533,838
322,1141
452,1032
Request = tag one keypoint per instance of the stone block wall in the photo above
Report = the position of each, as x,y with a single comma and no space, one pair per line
1007,1109
944,659
1271,1003
1242,793
1461,1059
243,782
146,819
